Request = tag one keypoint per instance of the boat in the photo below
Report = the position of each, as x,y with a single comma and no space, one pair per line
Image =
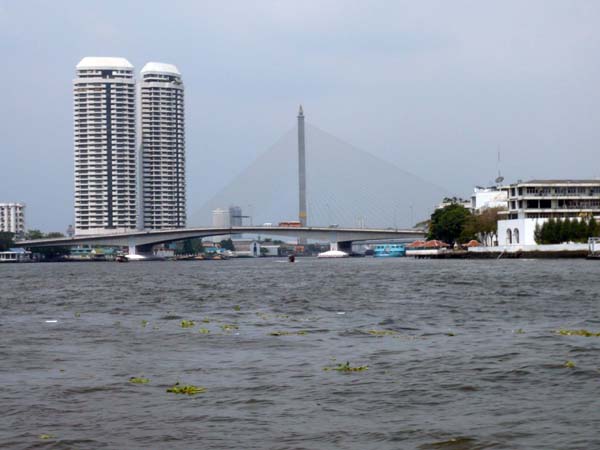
389,251
333,254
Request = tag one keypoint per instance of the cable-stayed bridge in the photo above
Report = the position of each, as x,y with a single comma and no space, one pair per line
346,186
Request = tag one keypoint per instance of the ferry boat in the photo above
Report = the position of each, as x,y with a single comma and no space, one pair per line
389,250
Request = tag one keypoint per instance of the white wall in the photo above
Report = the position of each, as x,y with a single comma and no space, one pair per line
525,227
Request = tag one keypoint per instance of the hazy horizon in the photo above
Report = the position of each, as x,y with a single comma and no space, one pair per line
437,88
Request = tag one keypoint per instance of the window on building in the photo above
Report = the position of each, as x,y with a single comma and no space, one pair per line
516,235
509,236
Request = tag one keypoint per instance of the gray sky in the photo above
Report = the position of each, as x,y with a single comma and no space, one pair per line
436,87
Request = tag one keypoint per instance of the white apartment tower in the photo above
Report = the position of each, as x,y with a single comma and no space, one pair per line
105,146
12,218
162,147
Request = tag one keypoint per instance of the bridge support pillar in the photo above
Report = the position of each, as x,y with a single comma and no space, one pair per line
345,246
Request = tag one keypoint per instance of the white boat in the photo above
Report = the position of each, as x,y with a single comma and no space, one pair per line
333,254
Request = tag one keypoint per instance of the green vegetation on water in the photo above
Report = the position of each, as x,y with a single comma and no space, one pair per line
346,367
139,380
585,333
187,323
287,333
188,389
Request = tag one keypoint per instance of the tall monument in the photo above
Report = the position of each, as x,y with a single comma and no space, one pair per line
302,216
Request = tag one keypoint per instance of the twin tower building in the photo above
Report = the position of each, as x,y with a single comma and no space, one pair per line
129,147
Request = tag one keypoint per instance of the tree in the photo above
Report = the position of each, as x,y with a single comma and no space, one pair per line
485,225
448,223
34,234
592,228
6,241
227,244
537,234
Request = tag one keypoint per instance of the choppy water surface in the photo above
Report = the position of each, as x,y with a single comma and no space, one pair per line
470,358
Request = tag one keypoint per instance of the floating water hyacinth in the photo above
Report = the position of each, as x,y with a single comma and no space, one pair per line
139,380
188,389
207,320
585,333
382,332
237,308
229,327
346,367
287,333
569,364
46,436
204,331
144,323
187,323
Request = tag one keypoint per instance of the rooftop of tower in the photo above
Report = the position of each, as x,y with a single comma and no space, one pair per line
104,62
157,67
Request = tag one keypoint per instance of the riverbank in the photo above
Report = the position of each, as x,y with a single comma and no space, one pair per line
557,251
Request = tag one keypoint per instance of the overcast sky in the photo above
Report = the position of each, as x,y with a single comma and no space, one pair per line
434,86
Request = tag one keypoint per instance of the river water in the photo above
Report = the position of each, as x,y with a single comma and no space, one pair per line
460,354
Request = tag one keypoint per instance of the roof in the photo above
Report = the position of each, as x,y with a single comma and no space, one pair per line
157,67
104,62
560,182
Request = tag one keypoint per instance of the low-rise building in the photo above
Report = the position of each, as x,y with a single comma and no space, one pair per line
12,218
15,255
532,203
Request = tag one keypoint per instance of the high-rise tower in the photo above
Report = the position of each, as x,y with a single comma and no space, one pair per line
163,147
105,146
302,214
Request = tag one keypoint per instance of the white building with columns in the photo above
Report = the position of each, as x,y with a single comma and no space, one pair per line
532,203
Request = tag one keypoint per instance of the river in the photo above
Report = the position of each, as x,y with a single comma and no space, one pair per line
455,354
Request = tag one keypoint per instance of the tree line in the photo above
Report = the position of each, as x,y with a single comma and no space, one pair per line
456,224
557,231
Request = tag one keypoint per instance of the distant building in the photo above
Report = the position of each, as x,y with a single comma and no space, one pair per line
221,218
105,146
12,218
533,202
454,201
247,247
162,147
235,216
487,198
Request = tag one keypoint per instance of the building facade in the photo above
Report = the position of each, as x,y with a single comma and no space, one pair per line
162,122
12,218
105,146
533,202
487,198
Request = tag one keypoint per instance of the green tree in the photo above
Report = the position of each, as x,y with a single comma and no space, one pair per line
6,241
34,234
580,230
537,234
227,244
566,230
448,224
592,228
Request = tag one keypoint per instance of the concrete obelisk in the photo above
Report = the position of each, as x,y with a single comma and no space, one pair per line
302,216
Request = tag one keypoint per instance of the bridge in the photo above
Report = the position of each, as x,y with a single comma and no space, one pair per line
143,241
